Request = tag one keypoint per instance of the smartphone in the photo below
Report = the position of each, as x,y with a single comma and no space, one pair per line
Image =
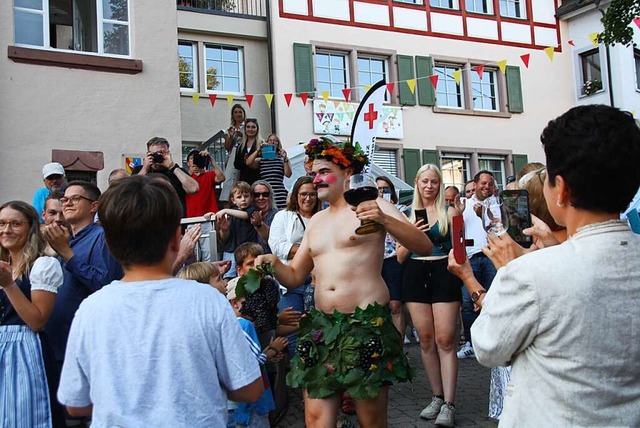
422,214
458,241
269,152
516,203
386,194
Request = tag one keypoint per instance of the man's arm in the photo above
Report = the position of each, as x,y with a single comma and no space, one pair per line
248,393
294,274
79,412
188,183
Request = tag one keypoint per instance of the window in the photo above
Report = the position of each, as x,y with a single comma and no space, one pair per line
410,1
455,169
188,65
495,164
223,69
636,56
513,8
447,4
387,160
332,73
449,93
591,72
484,91
479,6
100,26
370,71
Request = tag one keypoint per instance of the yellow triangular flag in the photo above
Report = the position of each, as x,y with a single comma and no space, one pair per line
366,88
550,51
503,66
412,85
594,39
325,96
457,75
229,100
195,97
269,99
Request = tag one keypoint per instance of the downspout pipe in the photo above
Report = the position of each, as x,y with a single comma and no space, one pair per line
270,63
607,55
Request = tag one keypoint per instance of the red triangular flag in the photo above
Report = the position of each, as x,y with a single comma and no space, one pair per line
287,98
390,87
434,80
249,99
525,59
303,97
346,92
479,69
212,98
571,43
637,21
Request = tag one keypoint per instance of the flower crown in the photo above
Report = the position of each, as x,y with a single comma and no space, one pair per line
342,154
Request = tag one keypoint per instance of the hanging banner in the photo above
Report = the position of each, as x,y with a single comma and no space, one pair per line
130,162
336,118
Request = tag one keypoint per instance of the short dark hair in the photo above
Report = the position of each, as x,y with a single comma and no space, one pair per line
245,250
292,202
470,181
140,216
590,147
53,195
484,171
92,190
157,141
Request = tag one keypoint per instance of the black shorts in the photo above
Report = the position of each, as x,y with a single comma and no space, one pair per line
392,275
429,281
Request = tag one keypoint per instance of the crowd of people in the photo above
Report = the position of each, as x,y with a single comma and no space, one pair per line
112,313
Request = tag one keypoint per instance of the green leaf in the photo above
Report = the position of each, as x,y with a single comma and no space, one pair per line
250,281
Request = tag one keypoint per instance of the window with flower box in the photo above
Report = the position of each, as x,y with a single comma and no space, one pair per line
591,72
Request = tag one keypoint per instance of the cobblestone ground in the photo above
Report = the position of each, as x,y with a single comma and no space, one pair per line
407,400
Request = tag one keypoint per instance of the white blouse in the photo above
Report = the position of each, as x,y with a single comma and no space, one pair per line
46,274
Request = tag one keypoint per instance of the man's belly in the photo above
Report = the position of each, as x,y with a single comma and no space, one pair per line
345,296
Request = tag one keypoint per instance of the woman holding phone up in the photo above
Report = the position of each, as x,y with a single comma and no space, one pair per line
272,161
433,295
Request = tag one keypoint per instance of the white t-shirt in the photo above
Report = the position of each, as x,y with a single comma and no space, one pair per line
473,227
156,353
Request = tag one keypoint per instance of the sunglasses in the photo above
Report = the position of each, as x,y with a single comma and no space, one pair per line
261,194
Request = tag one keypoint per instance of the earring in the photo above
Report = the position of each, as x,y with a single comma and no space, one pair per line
558,203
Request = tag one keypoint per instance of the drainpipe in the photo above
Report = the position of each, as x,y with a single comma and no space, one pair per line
608,59
270,63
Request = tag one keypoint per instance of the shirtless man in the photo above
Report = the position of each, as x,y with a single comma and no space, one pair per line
349,342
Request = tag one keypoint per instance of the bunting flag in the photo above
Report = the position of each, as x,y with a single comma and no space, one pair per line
503,66
550,51
229,100
195,97
346,92
366,88
594,39
525,59
212,98
249,99
287,98
571,43
457,75
480,70
303,97
434,80
411,83
390,86
325,96
368,117
269,99
637,22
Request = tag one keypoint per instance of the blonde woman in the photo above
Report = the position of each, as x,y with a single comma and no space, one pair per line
233,138
433,295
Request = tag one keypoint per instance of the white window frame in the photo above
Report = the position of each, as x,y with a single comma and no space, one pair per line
452,4
515,4
387,158
465,159
347,75
500,177
100,22
487,4
581,79
636,61
447,77
240,69
487,75
195,67
417,2
385,72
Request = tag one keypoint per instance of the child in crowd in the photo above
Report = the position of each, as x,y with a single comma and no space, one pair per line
205,273
234,226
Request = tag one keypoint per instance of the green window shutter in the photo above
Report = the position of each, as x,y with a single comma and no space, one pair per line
405,72
514,89
430,156
303,63
426,91
518,162
411,159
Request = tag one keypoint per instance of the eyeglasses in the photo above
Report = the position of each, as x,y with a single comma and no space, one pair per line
310,195
14,224
74,199
261,194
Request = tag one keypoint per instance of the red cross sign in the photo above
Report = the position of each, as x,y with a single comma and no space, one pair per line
371,116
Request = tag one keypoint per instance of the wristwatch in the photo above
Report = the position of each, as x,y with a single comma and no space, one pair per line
475,296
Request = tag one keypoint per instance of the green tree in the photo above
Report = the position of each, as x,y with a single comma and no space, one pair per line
616,20
212,80
185,70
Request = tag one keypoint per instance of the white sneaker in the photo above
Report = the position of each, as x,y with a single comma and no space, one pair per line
466,351
406,340
415,335
433,409
446,417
